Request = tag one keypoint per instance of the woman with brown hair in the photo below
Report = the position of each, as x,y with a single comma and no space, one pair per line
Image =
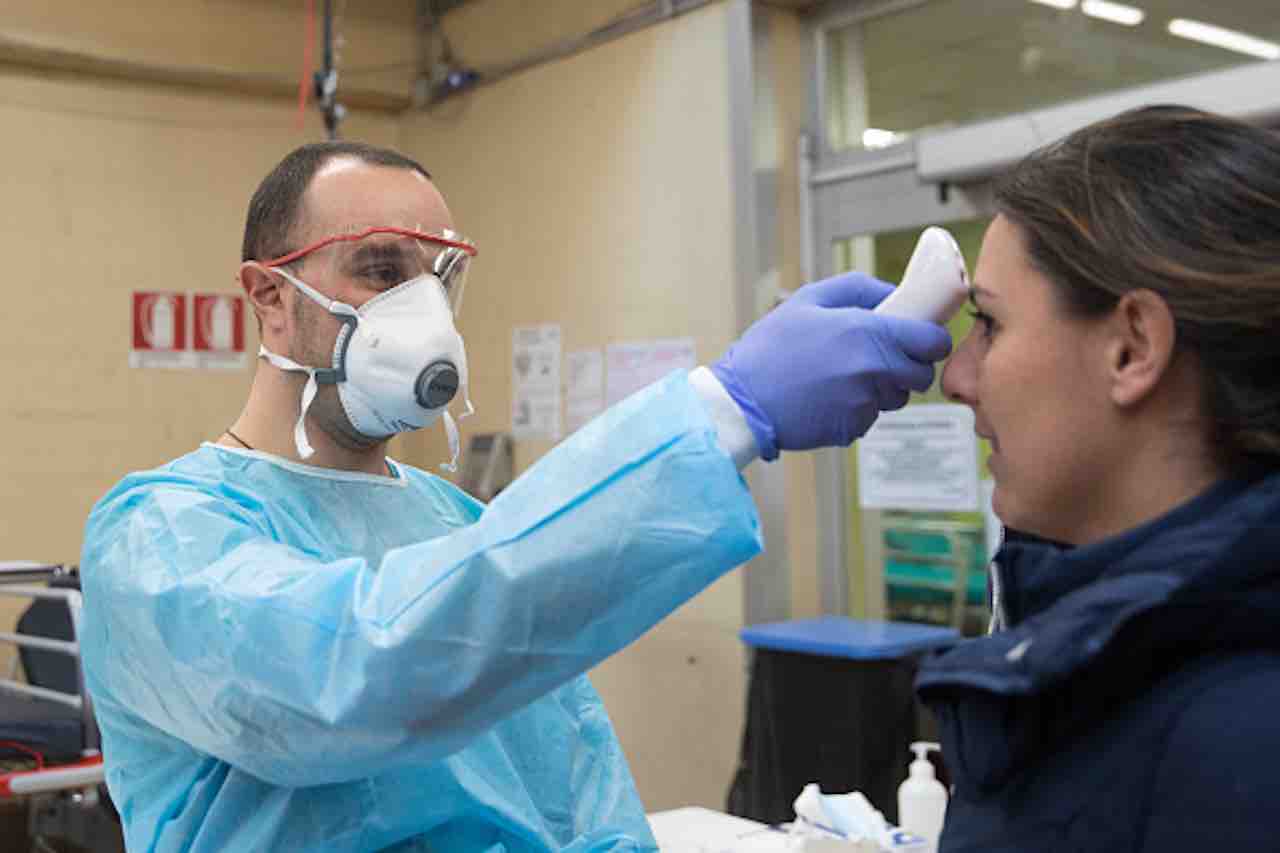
1125,366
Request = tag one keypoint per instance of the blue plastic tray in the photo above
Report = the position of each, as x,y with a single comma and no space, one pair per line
841,637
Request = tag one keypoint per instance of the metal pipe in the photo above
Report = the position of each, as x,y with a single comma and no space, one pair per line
862,170
89,726
328,36
41,693
22,571
55,60
70,596
625,24
34,641
804,172
86,774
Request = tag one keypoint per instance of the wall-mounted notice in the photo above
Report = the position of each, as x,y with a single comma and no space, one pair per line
535,382
186,330
159,330
632,366
584,387
923,457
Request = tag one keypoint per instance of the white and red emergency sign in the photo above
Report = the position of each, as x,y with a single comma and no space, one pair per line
218,329
185,330
159,330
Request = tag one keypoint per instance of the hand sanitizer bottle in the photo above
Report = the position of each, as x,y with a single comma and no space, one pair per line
922,801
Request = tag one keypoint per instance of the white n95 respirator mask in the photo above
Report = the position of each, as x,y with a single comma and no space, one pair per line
398,360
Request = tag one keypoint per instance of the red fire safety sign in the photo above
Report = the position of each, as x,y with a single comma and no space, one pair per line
218,329
187,330
159,330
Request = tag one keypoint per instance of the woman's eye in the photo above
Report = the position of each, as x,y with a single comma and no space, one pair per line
984,320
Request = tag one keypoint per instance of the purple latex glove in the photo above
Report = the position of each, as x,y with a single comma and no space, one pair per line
817,370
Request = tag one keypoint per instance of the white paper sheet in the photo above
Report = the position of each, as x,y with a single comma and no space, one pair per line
923,457
635,364
584,387
535,382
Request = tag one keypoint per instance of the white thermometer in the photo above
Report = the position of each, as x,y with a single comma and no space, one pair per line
935,284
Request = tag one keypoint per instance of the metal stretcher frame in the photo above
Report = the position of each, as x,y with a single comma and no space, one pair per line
88,772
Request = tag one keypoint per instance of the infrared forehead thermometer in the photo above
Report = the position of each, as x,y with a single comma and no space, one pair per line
935,284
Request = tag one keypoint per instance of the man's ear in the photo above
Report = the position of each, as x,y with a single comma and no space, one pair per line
265,295
1140,346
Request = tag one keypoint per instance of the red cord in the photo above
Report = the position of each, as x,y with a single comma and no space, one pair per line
308,59
38,756
360,235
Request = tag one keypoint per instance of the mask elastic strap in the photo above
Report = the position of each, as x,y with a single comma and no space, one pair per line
451,430
455,444
470,409
305,450
333,306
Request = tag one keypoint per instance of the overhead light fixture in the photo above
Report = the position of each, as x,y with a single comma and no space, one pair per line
1224,38
1057,4
874,137
1116,13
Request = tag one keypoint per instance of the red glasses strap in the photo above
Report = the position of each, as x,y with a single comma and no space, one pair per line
360,235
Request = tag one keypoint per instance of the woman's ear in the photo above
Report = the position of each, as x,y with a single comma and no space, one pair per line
1142,337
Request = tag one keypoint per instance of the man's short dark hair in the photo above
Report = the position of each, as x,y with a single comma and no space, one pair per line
274,208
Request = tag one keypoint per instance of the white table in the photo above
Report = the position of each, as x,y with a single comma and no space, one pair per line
699,830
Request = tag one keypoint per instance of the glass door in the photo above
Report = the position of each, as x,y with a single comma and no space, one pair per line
915,105
914,565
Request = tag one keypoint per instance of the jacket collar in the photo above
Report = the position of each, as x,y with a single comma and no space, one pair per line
1093,626
1063,606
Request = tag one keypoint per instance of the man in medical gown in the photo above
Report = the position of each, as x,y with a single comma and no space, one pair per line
295,643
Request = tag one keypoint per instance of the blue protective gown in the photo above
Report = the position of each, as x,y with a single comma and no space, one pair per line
284,657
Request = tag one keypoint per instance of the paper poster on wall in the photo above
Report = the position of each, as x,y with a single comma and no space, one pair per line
923,457
535,378
159,330
218,331
633,365
584,387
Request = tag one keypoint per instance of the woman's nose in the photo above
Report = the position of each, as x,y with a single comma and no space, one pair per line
960,376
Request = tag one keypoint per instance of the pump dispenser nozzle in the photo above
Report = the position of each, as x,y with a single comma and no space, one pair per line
922,801
922,766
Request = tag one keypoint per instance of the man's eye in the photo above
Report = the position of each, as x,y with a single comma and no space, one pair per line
384,274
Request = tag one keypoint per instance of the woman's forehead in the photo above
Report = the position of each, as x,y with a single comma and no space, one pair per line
1003,254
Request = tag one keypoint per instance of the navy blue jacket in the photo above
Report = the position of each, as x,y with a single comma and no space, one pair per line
1132,702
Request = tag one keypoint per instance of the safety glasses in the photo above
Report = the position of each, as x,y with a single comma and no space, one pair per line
383,257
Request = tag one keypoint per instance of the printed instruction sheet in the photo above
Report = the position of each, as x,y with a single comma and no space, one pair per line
535,382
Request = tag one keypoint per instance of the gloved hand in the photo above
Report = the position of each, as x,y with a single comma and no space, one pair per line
817,370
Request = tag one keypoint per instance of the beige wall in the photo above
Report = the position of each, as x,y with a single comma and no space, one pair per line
252,43
598,189
109,188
